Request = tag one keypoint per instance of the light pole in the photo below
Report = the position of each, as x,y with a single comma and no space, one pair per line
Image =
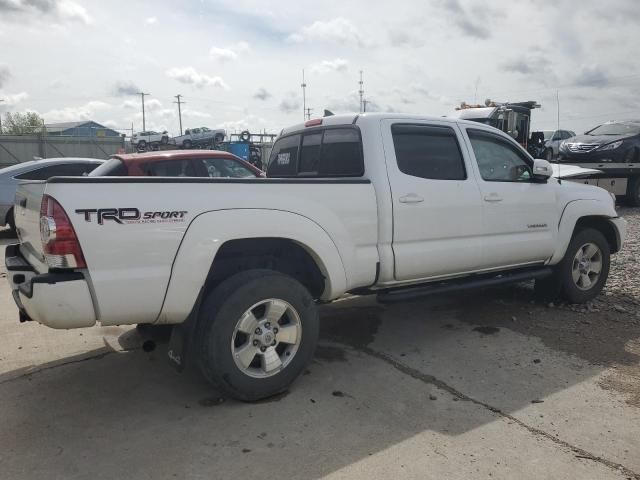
144,126
179,102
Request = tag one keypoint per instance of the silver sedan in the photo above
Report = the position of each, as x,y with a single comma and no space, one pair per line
37,170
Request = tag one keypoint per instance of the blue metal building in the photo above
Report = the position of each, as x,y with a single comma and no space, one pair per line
87,128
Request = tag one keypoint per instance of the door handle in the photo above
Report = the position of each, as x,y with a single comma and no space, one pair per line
494,197
411,198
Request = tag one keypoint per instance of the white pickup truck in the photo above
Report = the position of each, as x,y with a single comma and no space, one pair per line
395,205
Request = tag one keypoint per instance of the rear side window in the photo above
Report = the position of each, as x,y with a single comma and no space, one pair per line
226,168
332,152
341,153
283,161
65,170
170,168
430,152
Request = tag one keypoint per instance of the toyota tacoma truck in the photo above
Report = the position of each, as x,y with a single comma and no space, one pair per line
400,206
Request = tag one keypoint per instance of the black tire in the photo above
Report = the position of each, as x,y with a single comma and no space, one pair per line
245,136
570,291
548,154
142,145
187,144
633,192
220,312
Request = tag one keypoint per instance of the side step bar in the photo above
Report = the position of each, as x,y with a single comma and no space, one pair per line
404,294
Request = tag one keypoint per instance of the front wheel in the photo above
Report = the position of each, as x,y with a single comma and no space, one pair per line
257,332
583,271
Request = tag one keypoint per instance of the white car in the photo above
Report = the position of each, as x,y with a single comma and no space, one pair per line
395,205
142,139
199,136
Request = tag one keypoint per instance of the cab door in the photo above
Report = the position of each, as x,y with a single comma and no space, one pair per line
520,214
437,208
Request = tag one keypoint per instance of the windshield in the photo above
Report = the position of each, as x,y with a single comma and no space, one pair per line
616,129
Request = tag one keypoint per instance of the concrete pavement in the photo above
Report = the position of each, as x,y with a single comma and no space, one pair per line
465,386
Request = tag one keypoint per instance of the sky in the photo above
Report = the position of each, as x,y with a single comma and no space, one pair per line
238,63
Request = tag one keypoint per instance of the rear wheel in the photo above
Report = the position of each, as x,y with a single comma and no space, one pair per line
257,332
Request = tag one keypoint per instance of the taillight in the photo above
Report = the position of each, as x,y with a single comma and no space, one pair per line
59,240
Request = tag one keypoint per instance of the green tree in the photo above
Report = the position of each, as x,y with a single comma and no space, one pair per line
21,123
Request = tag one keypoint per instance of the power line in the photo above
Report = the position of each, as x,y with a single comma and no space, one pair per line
144,125
179,111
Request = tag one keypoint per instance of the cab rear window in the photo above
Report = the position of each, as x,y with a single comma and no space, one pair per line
329,152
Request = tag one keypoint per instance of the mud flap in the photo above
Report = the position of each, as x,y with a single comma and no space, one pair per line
181,343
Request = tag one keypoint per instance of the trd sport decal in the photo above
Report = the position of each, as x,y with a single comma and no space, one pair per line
131,215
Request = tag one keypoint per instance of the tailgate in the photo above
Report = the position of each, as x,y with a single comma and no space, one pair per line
27,213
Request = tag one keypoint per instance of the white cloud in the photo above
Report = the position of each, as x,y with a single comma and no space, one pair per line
230,53
338,30
73,11
191,76
251,122
5,74
46,10
188,113
130,104
151,20
222,54
11,100
336,65
290,103
152,104
71,114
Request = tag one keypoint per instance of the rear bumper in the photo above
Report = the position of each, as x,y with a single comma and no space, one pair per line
58,300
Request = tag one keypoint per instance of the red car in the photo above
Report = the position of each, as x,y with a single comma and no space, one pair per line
178,163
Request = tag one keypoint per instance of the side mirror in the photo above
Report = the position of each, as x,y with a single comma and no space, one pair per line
542,169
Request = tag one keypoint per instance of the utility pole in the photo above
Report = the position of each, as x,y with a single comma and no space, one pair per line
364,105
1,100
308,110
179,102
361,92
304,95
142,95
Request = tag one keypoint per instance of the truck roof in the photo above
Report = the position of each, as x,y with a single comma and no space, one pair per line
354,118
173,155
